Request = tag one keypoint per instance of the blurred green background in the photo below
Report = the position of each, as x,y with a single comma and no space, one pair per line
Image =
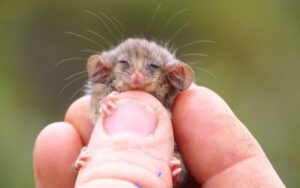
255,61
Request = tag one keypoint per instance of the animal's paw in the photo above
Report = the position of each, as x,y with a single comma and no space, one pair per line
176,170
82,159
108,103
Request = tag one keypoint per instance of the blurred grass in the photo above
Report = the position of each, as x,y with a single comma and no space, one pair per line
255,59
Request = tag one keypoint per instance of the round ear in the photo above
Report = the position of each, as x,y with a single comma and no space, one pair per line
180,75
97,68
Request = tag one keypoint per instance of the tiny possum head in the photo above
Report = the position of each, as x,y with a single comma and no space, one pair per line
137,64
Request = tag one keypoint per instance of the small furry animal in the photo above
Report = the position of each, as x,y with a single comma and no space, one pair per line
138,64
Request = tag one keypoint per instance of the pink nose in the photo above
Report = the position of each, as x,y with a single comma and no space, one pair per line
137,78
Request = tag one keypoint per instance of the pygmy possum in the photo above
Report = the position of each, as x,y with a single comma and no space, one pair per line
138,64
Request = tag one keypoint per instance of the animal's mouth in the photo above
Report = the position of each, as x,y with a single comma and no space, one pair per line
137,86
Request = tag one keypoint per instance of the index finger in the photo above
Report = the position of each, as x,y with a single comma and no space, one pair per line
217,147
78,115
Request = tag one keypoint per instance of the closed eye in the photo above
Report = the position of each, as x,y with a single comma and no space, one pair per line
123,62
154,66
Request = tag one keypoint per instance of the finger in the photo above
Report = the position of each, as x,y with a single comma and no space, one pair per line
78,115
217,147
132,144
56,148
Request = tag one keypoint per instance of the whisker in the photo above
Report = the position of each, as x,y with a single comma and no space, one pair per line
195,62
113,24
153,17
101,20
195,42
100,36
192,54
208,72
148,74
76,92
69,59
76,74
71,82
120,24
196,80
177,32
90,51
85,38
171,18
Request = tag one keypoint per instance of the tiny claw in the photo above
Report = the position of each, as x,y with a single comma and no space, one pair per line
175,166
107,103
174,163
105,110
177,172
112,96
82,158
78,165
176,177
84,150
112,104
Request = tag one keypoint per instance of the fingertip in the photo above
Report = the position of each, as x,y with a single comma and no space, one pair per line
132,114
136,139
78,114
197,105
136,108
255,171
55,150
194,106
209,135
77,107
202,100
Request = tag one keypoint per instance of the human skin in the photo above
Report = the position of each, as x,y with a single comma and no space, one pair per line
218,149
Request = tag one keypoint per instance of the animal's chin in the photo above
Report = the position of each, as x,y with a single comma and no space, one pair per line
137,87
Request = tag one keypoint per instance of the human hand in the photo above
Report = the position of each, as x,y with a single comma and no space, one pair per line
131,147
218,150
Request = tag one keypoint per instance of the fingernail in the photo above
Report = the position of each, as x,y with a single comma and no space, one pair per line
131,118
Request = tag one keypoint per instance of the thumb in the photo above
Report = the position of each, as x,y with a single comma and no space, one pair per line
131,147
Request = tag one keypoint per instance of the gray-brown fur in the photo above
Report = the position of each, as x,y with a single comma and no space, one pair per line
163,75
